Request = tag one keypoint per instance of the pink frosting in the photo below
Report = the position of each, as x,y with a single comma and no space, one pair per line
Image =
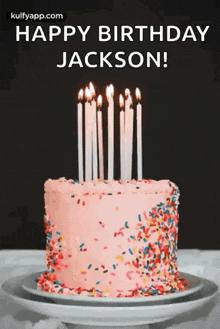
98,226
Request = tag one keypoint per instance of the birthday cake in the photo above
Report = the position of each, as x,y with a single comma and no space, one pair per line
108,239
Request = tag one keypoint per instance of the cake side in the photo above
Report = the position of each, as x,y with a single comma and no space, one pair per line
111,239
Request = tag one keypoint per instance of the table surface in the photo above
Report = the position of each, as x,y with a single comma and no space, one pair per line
203,263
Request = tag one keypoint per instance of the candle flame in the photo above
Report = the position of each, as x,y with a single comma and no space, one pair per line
99,101
111,87
88,94
108,92
92,89
80,94
138,93
127,92
121,101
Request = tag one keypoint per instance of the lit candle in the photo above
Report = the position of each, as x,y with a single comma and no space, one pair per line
100,140
130,139
139,135
122,136
128,118
127,106
80,133
110,92
94,134
88,136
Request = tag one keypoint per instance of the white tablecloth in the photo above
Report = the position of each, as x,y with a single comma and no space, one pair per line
17,262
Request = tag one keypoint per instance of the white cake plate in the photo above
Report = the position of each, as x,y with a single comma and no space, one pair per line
110,315
29,284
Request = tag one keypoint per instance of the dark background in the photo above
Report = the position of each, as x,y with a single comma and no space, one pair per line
181,111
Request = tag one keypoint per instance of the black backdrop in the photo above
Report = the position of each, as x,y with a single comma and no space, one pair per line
181,106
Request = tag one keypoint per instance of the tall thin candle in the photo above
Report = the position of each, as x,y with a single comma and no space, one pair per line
80,138
110,92
130,139
122,136
127,106
100,139
131,124
88,135
127,134
139,135
94,134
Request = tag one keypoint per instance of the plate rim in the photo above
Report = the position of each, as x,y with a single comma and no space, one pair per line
112,300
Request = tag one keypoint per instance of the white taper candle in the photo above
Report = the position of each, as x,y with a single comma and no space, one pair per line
88,136
130,141
109,92
139,136
94,135
127,106
80,137
100,139
122,137
128,102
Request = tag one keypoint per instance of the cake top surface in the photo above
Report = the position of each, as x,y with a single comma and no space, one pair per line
146,186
